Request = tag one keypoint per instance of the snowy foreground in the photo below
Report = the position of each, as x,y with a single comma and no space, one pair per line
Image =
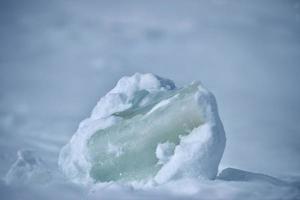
145,139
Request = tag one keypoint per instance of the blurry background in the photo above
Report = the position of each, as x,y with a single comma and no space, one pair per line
57,58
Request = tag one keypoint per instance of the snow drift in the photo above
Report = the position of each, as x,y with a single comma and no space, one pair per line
29,168
144,129
232,174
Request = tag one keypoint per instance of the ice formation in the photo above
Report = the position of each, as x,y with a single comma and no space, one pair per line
146,128
231,174
28,168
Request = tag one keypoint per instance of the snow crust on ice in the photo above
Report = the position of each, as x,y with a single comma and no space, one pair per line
147,129
122,96
164,151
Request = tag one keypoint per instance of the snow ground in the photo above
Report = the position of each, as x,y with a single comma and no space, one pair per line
57,58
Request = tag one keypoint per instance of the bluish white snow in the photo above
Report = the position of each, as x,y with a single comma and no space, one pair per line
58,58
145,139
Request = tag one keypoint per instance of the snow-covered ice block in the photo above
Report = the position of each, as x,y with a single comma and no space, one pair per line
147,129
28,168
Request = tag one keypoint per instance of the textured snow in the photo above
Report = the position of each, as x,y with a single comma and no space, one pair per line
148,139
147,129
231,174
58,56
164,151
121,97
145,139
28,168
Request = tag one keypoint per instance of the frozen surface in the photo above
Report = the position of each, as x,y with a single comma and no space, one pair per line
59,57
145,139
29,168
196,189
147,129
231,174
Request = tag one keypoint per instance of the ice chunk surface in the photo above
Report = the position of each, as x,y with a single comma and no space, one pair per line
147,129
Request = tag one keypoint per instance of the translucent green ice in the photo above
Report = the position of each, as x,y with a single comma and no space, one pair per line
126,150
